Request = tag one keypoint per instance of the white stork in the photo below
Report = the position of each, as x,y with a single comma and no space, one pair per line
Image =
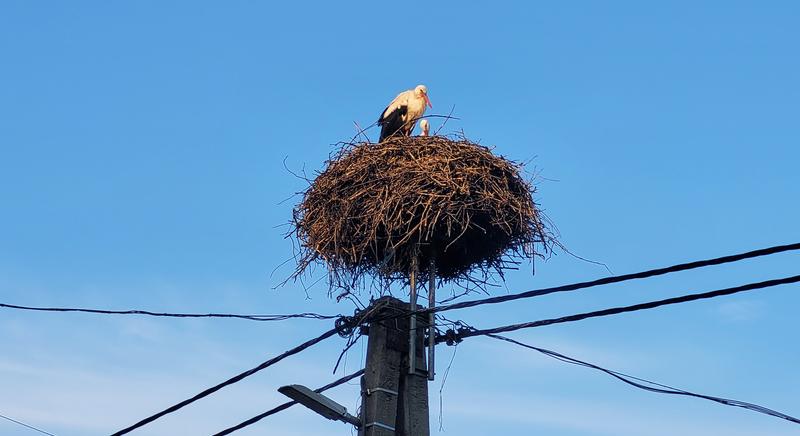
425,127
403,112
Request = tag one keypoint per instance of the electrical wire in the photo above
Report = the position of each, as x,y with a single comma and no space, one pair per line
634,381
287,405
650,385
625,277
468,333
26,425
453,336
230,381
608,280
173,315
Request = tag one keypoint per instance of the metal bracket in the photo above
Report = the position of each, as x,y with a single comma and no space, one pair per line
379,425
388,391
431,318
412,321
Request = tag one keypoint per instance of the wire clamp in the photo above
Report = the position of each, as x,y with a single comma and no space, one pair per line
452,337
345,325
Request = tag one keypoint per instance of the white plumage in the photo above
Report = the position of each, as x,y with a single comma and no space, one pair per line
425,127
403,112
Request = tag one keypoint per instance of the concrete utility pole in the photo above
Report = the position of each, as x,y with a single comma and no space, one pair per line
394,400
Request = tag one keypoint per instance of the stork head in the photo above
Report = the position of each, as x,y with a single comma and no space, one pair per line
421,91
425,126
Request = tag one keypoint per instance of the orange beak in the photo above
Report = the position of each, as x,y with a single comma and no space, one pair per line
425,96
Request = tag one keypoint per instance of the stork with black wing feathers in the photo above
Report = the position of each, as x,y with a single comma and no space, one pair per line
400,117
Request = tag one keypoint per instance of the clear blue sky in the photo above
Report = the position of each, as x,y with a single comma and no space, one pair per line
142,167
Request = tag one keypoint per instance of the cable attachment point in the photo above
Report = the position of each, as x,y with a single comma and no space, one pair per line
452,337
345,325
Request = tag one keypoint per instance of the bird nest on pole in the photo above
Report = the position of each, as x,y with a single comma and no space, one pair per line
379,209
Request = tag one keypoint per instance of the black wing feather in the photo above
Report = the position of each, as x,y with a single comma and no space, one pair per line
392,123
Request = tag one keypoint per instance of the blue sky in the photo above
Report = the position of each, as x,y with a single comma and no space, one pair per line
142,167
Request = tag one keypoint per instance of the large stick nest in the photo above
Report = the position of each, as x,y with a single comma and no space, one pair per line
377,208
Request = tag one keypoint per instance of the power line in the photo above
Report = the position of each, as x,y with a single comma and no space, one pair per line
613,279
651,385
230,381
453,336
172,315
457,336
26,425
287,405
